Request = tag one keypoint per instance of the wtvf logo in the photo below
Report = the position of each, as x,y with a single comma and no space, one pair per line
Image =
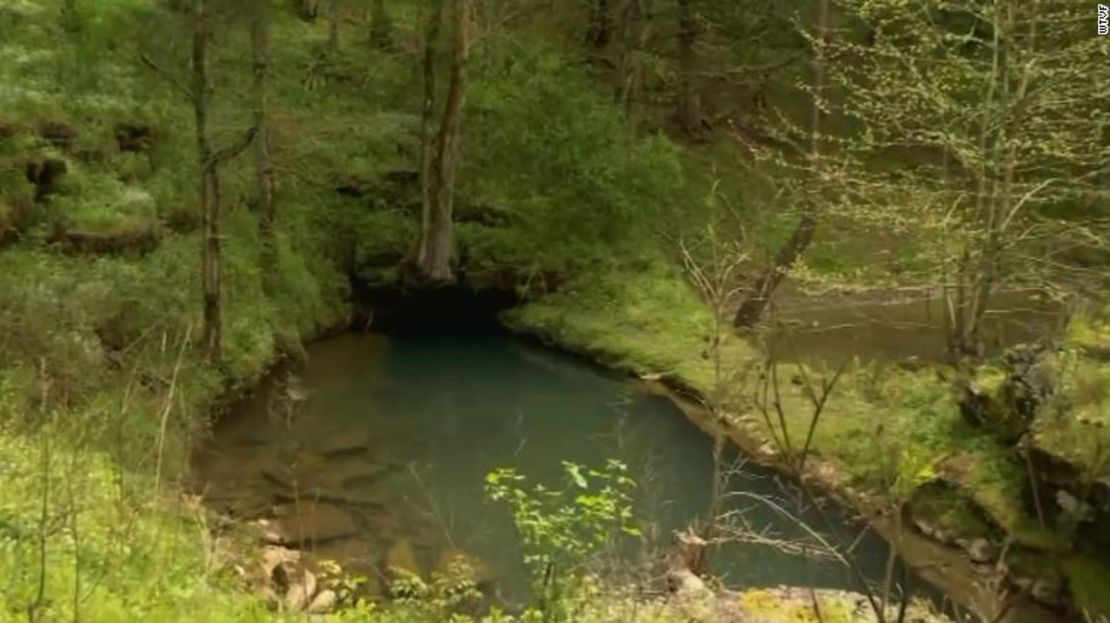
1103,20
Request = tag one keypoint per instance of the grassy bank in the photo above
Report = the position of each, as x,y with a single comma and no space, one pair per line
895,434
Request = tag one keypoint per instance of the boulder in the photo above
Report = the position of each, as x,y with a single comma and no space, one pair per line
981,551
324,602
302,589
1030,378
277,563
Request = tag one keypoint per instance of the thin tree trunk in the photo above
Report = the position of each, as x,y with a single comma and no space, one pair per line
994,197
436,247
600,31
637,33
263,162
753,307
307,9
381,27
264,170
71,22
209,184
689,99
333,26
427,125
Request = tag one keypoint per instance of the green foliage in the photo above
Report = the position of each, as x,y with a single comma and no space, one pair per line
1076,424
566,526
95,552
1087,580
551,151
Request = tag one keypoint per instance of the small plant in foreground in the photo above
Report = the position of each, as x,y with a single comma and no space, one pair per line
563,529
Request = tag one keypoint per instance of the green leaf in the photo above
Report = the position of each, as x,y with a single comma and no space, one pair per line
575,472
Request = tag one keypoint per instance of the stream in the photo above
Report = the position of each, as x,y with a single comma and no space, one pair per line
401,431
374,453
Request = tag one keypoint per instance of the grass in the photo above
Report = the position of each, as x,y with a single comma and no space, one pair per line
644,318
1076,426
101,546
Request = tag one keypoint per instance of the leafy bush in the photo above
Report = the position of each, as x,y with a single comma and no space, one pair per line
562,528
544,145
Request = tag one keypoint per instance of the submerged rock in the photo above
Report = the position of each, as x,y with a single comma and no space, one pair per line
345,444
402,557
307,523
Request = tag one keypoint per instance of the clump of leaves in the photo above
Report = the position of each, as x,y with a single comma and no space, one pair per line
563,528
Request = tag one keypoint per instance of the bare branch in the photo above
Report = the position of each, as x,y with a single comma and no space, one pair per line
168,77
227,153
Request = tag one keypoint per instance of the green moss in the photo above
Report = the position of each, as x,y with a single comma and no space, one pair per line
766,605
943,506
1076,426
645,319
1088,330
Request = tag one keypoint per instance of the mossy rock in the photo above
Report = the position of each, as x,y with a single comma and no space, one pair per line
981,399
941,511
1090,333
1006,400
1077,427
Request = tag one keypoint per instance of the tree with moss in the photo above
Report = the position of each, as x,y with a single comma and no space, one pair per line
440,146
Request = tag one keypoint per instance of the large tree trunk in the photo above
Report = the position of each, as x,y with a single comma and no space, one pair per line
689,99
209,184
434,259
759,297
